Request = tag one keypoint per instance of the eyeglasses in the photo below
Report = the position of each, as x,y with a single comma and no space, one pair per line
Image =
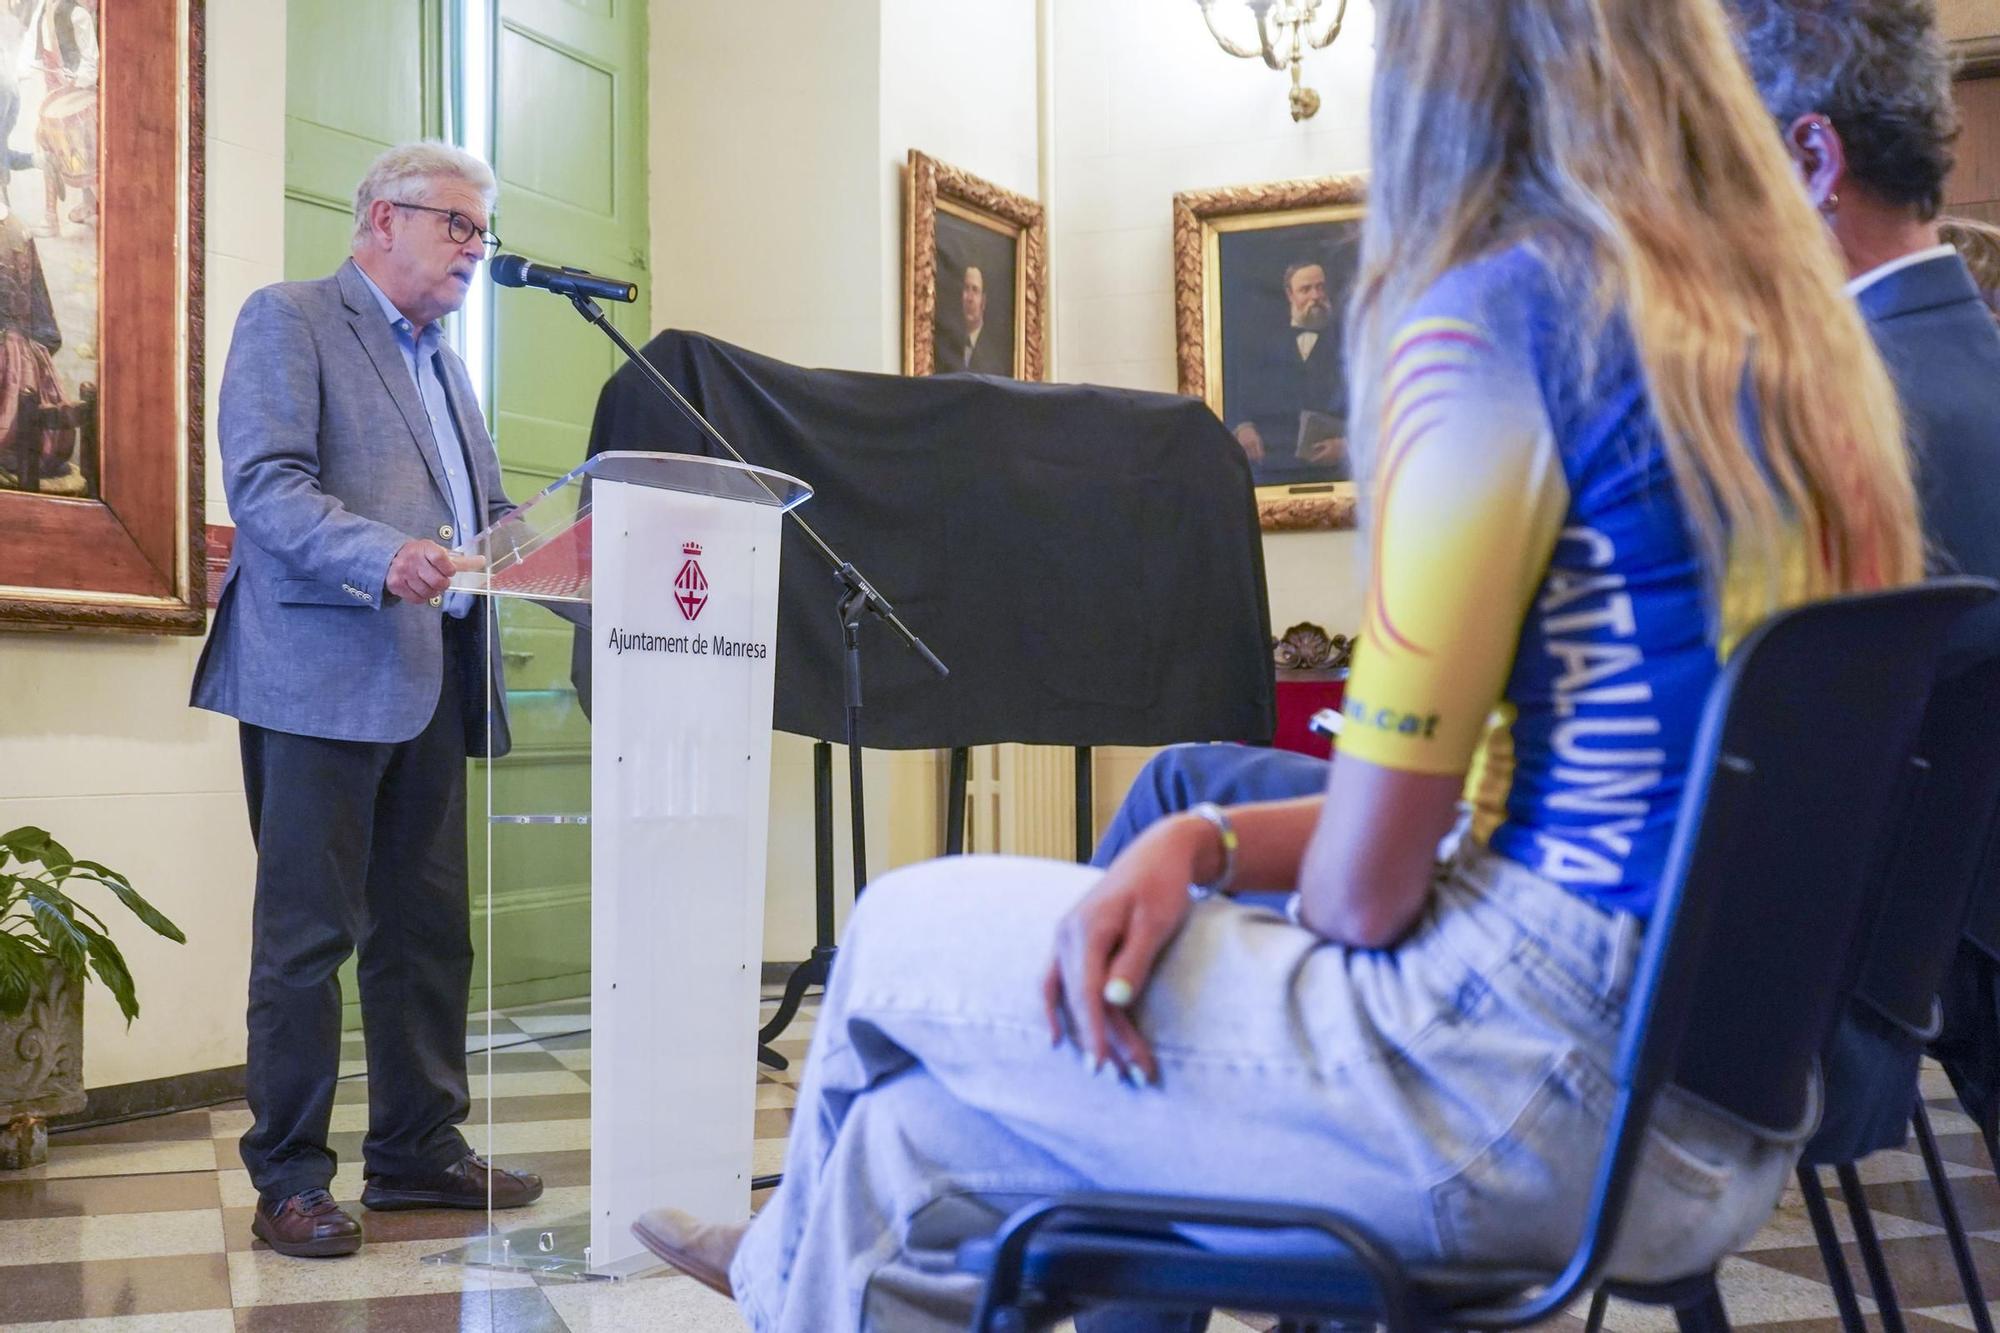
458,226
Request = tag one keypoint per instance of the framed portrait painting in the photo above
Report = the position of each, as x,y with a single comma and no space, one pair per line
975,275
101,315
1262,275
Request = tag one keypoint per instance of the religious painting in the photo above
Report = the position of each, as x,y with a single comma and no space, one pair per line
975,275
100,315
1262,276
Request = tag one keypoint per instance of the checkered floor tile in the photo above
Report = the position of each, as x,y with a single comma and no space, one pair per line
145,1225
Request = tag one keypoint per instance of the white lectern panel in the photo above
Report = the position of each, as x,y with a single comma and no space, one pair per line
684,625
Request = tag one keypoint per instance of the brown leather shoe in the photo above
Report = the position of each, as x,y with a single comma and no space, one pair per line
308,1225
702,1250
463,1184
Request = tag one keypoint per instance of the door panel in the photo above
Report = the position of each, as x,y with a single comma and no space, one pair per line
569,148
569,122
544,163
360,75
1974,188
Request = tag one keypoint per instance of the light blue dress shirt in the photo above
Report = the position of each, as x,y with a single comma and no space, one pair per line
422,353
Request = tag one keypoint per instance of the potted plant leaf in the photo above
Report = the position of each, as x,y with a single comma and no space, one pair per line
49,945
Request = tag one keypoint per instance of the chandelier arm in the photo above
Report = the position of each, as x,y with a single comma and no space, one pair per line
1270,51
1223,39
1339,18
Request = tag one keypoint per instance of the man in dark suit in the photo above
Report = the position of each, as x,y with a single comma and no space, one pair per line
1862,93
1272,385
355,456
1861,90
972,345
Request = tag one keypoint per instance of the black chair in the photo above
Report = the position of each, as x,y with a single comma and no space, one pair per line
1973,1052
1803,747
1943,850
1969,1048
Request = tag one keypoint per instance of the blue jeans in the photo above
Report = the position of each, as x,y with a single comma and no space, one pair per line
1454,1090
1184,775
1870,1070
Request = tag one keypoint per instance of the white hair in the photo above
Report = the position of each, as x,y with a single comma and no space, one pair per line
401,174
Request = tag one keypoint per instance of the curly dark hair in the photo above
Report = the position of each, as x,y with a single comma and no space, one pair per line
1878,69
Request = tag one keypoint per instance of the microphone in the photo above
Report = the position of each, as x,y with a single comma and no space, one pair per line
516,271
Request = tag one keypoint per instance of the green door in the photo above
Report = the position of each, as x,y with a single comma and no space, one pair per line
569,116
569,128
360,76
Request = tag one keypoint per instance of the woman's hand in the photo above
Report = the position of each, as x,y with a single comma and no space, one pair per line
1108,943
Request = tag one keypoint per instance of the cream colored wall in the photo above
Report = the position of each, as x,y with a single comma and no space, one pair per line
1965,19
958,82
1147,105
107,755
766,233
766,220
777,224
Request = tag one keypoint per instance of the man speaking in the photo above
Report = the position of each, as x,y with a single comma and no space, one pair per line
354,457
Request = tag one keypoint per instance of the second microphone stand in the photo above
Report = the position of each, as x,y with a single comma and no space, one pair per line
858,600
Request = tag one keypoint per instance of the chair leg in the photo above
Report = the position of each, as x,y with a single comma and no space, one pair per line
1598,1300
1954,1226
1830,1255
1704,1313
1887,1308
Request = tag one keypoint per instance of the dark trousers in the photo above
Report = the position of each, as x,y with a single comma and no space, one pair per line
360,845
1969,1045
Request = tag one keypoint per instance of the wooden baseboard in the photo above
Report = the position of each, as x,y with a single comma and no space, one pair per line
186,1092
153,1096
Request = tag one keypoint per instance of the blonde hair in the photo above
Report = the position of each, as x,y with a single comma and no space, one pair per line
1624,141
402,173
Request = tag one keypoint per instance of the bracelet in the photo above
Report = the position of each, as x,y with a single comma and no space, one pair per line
1225,833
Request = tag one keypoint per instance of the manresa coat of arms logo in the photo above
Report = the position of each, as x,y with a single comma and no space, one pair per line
691,585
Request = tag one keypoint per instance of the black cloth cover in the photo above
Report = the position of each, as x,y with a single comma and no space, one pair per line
1087,561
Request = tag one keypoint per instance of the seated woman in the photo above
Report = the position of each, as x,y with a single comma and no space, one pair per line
1583,246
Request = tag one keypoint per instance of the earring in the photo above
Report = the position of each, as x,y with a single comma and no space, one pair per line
1832,203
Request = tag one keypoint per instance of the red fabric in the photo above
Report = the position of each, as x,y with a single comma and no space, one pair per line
1299,697
559,567
25,364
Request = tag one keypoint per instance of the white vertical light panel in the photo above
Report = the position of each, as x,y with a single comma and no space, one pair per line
473,54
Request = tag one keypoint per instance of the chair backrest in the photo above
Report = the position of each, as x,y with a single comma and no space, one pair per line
1982,915
1806,737
1942,853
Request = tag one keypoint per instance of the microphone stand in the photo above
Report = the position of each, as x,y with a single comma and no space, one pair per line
858,600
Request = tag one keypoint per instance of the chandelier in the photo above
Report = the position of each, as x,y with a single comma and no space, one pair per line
1284,29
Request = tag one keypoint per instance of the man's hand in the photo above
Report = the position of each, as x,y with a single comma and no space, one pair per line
1329,450
1252,442
422,570
1106,947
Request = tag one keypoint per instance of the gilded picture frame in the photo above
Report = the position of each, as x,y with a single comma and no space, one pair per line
120,546
955,225
1317,220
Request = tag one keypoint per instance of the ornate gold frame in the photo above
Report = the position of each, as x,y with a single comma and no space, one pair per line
1200,218
930,186
132,558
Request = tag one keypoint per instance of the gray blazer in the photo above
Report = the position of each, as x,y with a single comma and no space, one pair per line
330,467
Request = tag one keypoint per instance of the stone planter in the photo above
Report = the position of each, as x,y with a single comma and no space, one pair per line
41,1069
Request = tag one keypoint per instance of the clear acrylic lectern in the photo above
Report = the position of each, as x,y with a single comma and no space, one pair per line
620,914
